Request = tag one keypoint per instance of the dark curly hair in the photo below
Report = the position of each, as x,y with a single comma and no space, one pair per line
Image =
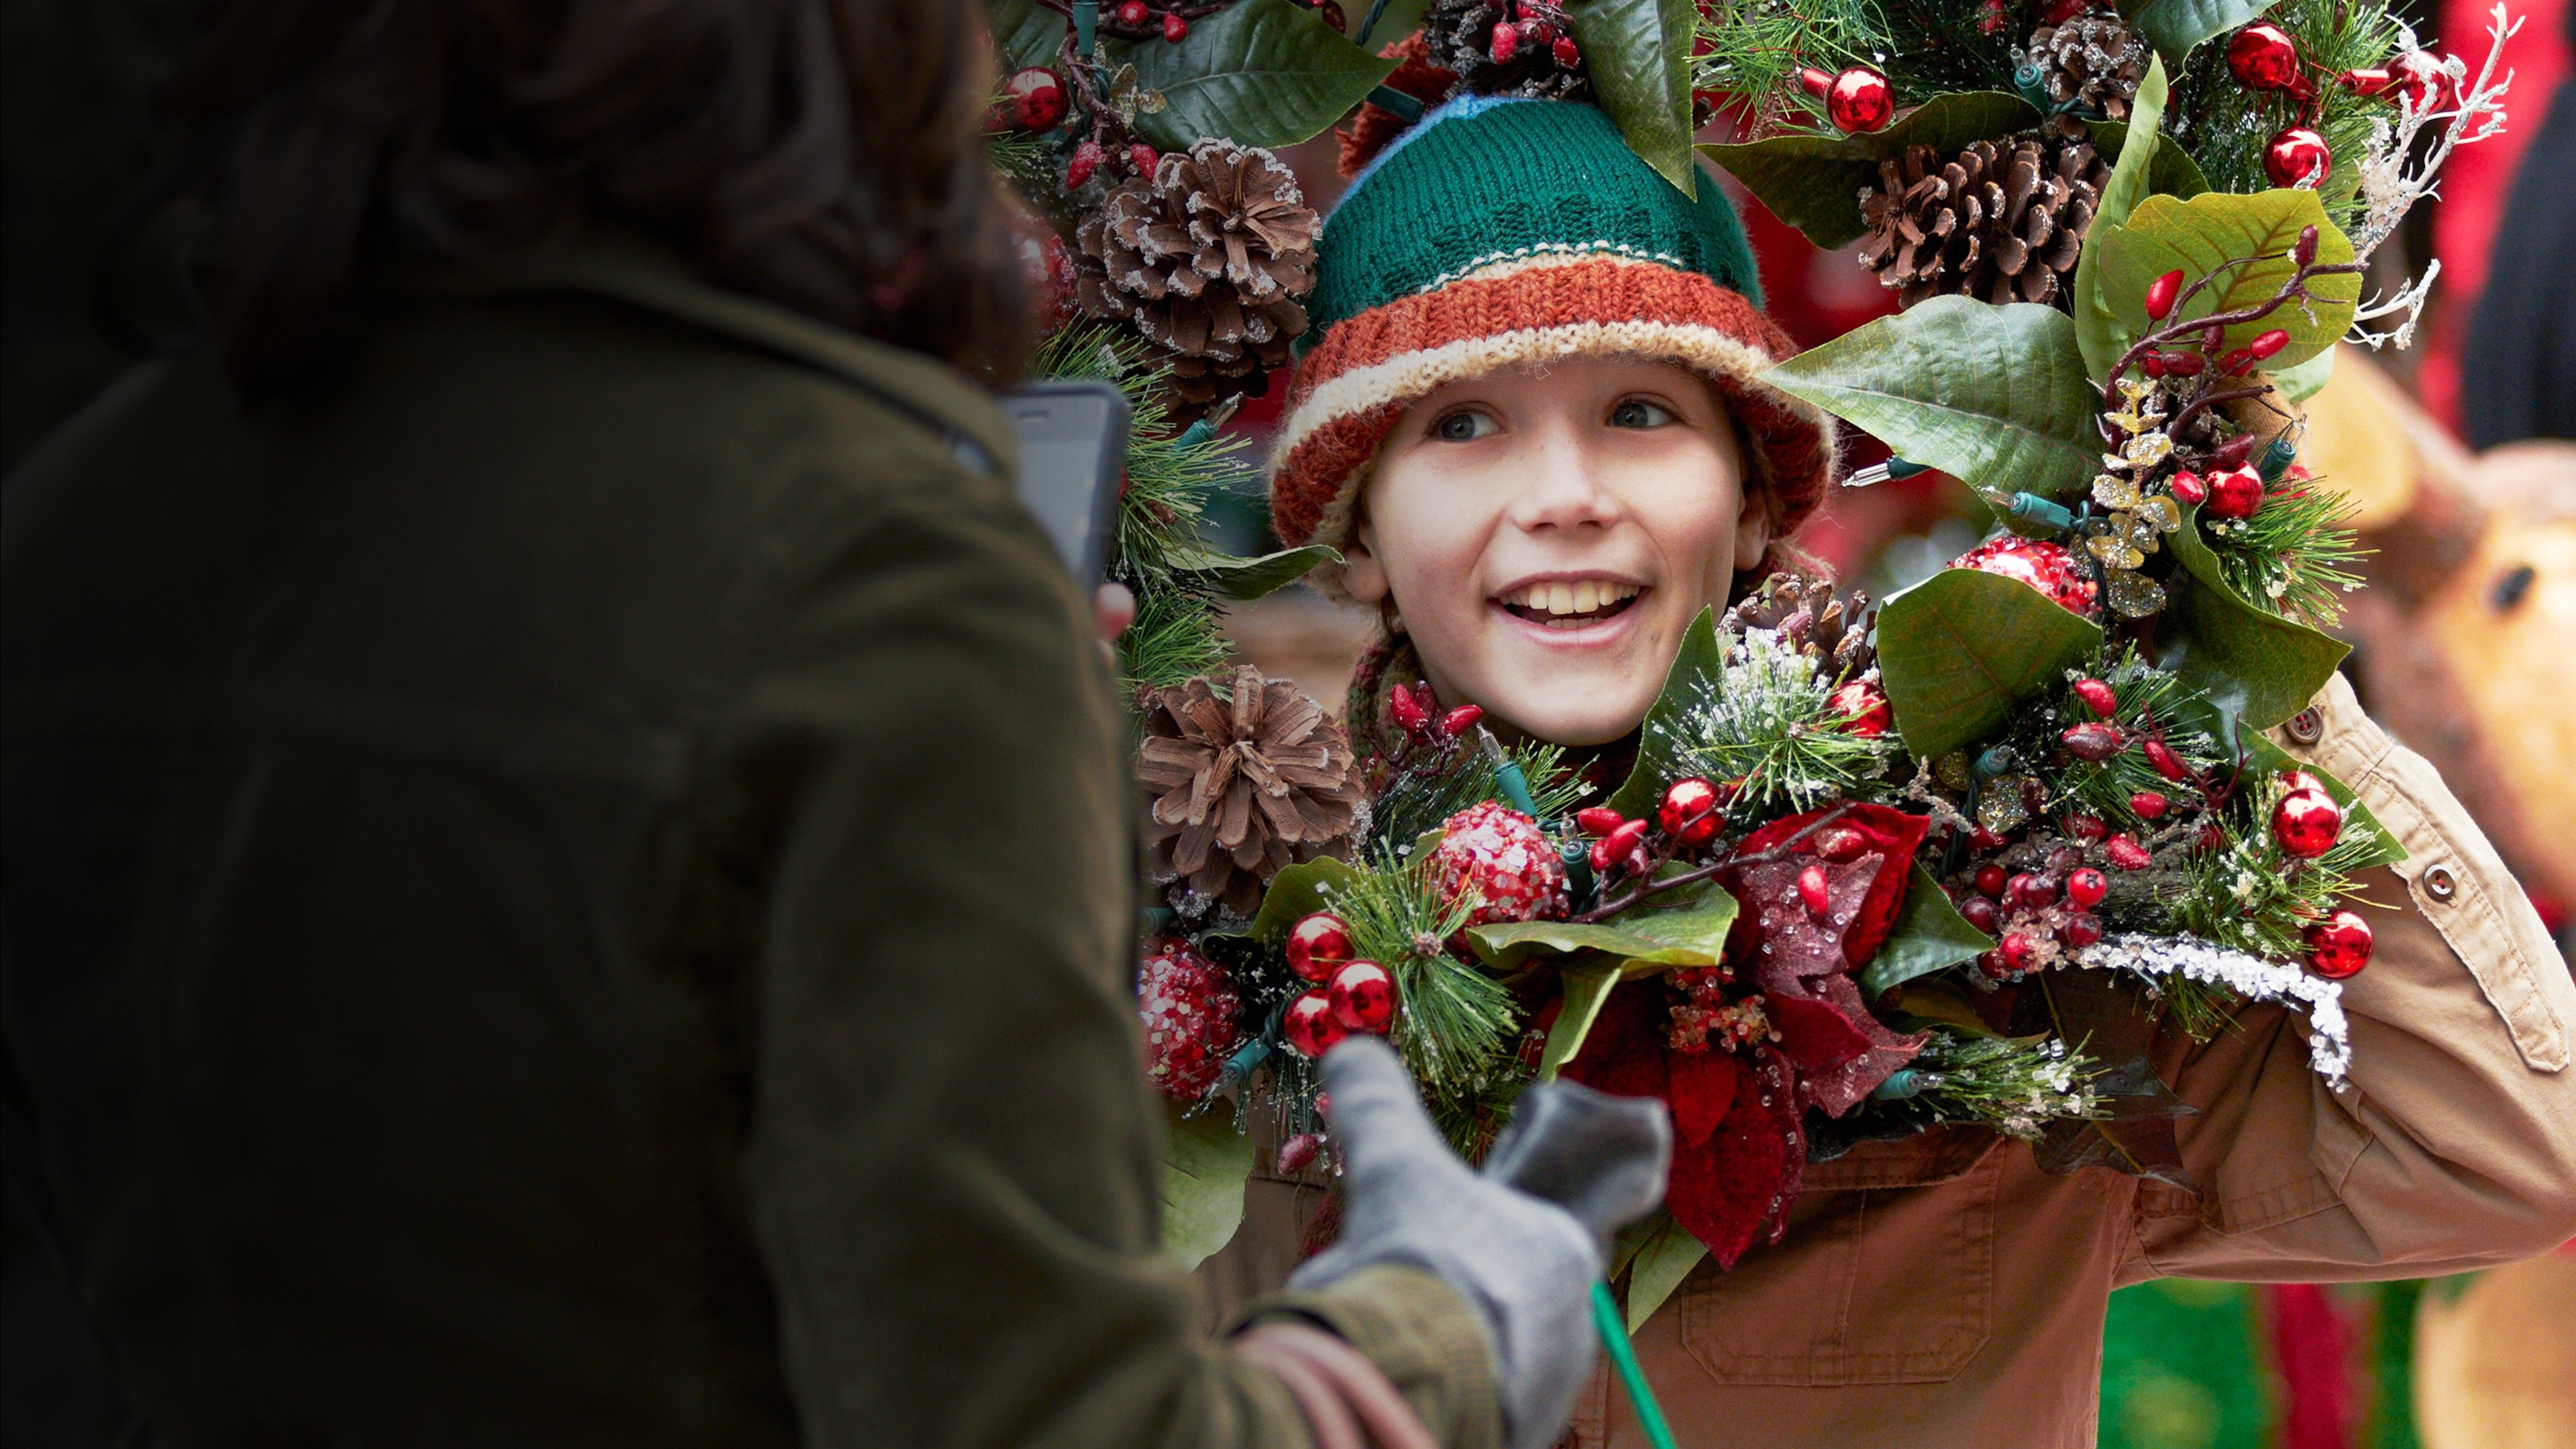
821,154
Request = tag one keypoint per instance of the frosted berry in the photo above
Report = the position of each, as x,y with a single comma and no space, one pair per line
1863,707
1567,54
2161,294
1363,996
1410,706
1690,812
1506,42
2297,157
1310,1026
1814,892
1840,844
1142,159
2305,823
2125,853
1317,944
1460,720
1859,101
1085,163
1298,1153
2086,887
1033,100
2149,805
2265,58
2093,742
2047,567
1501,856
2086,827
2098,697
1618,849
2339,945
1132,14
2017,951
1188,1009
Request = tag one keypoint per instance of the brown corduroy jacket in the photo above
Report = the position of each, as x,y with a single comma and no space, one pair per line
1945,1293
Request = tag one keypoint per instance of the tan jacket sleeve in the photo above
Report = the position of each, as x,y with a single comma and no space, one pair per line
2452,1144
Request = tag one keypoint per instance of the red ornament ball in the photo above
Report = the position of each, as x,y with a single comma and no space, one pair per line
2339,945
2265,58
2086,887
1310,1026
1363,995
1317,944
1864,709
1188,1008
2298,780
2421,81
1032,100
2098,697
1859,100
1506,860
2297,157
2047,567
1691,812
2305,823
2236,493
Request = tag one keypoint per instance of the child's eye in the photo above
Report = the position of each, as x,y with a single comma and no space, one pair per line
1636,412
1464,426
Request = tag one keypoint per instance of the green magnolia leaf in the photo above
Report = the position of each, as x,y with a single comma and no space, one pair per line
2264,757
1693,918
1813,181
1205,1164
1939,1004
1993,396
2173,27
2095,331
1638,53
1957,649
1250,578
1699,658
1929,934
1025,33
2300,383
1508,946
2250,663
2196,236
1298,892
2171,171
1663,1259
1261,72
1586,988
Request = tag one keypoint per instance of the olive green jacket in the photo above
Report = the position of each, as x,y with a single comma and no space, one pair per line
573,884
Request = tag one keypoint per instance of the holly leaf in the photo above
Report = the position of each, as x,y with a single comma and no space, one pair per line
1638,54
2134,1134
2263,757
1698,660
1664,1256
1929,935
2250,663
1511,945
1298,892
1994,396
1260,72
1205,1164
2095,332
1025,33
2171,171
1813,180
2173,27
2197,236
1957,649
1250,578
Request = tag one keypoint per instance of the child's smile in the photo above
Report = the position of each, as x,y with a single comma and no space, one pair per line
1567,605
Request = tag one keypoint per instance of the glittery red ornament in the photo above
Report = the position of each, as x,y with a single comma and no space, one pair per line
1689,813
2367,81
2265,58
1505,859
2421,81
1310,1026
1859,100
1188,1008
2086,887
1032,100
1317,944
2236,493
2098,697
2298,780
2339,945
2297,157
2306,822
1864,709
1363,996
2047,567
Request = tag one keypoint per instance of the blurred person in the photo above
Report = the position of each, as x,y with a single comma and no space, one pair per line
567,865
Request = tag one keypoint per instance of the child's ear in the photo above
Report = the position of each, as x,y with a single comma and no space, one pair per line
1752,529
1363,575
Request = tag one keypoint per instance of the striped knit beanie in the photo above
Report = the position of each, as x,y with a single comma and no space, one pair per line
1504,231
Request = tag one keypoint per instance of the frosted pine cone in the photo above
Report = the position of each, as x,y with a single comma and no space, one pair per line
2091,62
1998,221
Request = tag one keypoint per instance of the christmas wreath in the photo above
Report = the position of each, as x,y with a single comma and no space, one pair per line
1952,859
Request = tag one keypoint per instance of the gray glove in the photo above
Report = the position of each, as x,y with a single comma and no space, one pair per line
1523,1243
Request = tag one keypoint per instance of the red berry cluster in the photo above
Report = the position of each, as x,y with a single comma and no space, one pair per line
1348,993
1137,20
1534,24
2037,914
1691,814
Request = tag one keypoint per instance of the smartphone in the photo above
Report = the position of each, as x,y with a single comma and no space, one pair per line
1073,452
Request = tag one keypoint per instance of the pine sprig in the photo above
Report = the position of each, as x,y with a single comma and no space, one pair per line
1455,1026
2295,556
2106,789
2226,126
1765,718
2253,897
2017,1086
1754,49
1432,784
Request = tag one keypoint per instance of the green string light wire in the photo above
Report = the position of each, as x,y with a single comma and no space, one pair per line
1614,1338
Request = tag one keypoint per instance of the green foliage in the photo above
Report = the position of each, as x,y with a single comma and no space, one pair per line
1638,55
1994,396
2095,334
2200,238
1025,33
2145,693
2248,662
2253,898
2170,169
1205,1165
1430,785
1813,180
2226,126
1656,1255
1754,48
2173,27
1260,72
1956,651
1455,1029
1928,935
1755,711
2015,1085
2295,556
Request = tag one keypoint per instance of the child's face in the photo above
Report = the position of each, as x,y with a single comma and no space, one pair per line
1548,535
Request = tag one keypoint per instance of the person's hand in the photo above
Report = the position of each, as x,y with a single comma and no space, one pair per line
1113,608
1523,1243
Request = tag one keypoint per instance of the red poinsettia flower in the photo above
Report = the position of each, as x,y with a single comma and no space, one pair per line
1738,1052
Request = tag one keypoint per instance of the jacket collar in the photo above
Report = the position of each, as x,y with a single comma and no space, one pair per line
640,272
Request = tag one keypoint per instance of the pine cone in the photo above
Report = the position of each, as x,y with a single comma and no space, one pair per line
1206,259
1245,787
1460,34
2091,60
1805,611
1999,221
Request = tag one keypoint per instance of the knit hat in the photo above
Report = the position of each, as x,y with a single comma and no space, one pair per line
1503,231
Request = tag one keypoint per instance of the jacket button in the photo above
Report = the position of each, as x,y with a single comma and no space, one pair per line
2440,884
2307,725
